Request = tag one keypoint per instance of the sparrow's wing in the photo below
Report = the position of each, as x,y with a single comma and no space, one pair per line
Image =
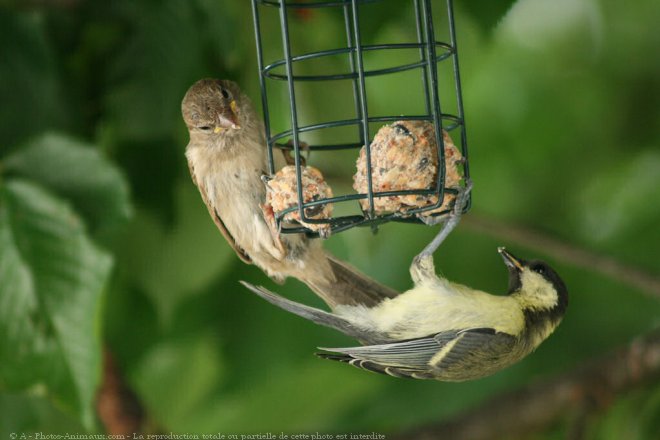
452,355
217,219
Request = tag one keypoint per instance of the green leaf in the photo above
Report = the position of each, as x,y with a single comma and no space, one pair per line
32,98
303,383
190,366
152,72
621,198
52,279
173,264
29,413
574,27
486,13
77,172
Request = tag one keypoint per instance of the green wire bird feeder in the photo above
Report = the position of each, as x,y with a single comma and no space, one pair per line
352,53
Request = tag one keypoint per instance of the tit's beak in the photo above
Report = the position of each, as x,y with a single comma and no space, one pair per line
510,261
228,118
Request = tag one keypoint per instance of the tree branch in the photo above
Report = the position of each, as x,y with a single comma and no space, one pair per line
566,252
593,385
118,408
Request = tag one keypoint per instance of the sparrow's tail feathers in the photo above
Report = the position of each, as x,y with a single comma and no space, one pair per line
316,315
350,287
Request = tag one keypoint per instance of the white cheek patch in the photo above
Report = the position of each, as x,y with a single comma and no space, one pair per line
538,293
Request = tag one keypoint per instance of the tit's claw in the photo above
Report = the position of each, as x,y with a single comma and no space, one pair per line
457,207
451,222
432,220
462,197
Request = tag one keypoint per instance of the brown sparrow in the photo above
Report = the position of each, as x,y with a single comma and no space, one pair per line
227,159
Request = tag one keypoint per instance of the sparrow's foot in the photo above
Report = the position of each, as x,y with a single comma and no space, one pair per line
288,153
265,178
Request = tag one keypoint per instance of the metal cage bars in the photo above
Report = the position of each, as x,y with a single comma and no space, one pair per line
429,58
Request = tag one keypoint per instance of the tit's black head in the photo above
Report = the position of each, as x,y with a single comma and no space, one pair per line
520,270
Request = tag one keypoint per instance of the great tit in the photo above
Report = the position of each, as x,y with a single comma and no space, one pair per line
443,330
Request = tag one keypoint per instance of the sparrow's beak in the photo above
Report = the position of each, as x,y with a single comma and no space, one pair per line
228,118
510,261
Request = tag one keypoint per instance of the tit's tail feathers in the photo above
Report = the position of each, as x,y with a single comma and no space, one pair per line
375,367
351,287
313,314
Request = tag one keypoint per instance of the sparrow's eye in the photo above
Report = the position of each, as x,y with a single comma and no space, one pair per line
224,92
205,128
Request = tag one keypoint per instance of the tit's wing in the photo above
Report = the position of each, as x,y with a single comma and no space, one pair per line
414,353
473,349
451,355
215,215
409,359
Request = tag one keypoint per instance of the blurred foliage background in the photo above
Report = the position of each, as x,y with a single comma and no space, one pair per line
104,240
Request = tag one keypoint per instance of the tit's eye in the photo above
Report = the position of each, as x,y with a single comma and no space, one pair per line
224,92
539,268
